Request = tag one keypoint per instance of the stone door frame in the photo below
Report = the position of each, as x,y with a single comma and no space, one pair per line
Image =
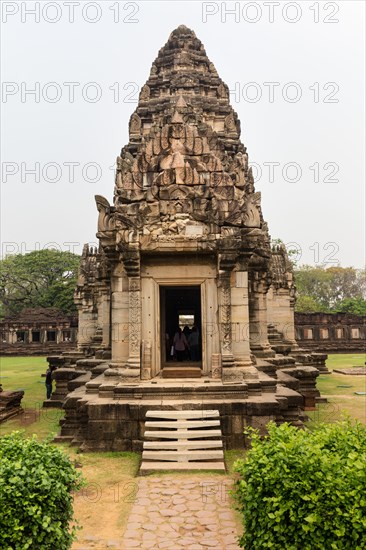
151,314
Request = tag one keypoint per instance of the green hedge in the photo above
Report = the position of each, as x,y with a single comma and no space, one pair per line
36,484
304,490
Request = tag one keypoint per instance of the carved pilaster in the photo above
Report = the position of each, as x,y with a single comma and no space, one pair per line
134,317
225,265
259,285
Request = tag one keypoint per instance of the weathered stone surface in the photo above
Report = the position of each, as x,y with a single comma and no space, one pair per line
10,403
185,215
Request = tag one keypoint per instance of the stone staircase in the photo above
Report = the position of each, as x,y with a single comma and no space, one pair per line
182,440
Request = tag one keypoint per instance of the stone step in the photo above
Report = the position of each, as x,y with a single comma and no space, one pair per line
183,434
181,372
190,446
178,415
183,456
179,424
147,467
196,444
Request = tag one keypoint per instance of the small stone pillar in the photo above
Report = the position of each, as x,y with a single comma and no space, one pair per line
146,356
216,366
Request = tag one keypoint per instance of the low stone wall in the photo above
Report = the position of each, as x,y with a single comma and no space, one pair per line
35,348
331,332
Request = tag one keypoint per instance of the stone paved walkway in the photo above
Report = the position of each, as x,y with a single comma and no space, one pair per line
176,512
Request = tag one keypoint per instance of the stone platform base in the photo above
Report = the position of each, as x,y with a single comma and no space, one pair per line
116,422
354,371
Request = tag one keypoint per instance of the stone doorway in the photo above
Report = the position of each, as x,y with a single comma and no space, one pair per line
180,306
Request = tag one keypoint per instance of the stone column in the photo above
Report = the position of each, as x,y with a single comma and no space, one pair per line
240,318
126,329
120,319
87,323
104,315
230,372
258,287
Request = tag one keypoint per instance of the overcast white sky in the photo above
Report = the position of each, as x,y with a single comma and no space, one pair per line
296,71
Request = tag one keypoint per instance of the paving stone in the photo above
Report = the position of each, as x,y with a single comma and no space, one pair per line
131,543
230,539
211,543
148,526
205,514
211,507
168,492
185,541
144,501
227,531
154,508
167,512
195,506
180,508
226,515
226,523
165,544
189,527
207,521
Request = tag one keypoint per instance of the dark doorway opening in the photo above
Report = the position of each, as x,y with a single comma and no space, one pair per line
180,306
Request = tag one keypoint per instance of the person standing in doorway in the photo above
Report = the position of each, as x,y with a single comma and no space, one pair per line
180,344
193,343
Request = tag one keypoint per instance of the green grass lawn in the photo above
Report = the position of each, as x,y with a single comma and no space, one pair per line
340,390
345,360
25,373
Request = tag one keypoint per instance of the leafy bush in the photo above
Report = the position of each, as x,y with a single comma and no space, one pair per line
36,484
301,489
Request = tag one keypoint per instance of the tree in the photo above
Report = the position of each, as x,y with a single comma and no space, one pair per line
357,306
308,304
328,288
44,278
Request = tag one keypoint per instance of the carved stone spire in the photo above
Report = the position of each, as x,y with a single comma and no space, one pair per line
185,164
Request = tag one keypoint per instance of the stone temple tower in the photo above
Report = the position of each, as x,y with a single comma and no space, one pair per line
184,243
